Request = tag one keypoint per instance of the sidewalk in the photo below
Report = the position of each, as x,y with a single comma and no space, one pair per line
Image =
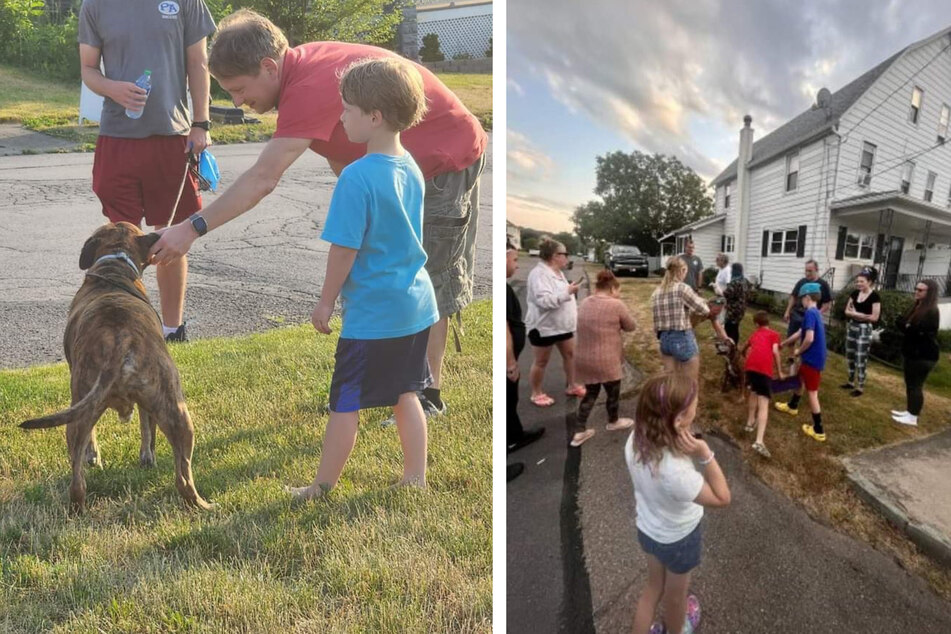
766,567
15,139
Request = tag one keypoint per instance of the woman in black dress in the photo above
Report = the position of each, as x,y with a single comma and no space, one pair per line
919,348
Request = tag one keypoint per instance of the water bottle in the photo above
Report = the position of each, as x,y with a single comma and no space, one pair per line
145,83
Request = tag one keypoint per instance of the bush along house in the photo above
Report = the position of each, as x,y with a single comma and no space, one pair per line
861,178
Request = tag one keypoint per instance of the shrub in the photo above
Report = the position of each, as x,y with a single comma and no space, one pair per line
430,51
488,51
461,56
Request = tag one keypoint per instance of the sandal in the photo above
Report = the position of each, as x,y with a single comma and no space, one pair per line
761,449
579,439
578,390
749,429
542,400
619,424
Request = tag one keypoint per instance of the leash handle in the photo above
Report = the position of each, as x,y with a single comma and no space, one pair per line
188,163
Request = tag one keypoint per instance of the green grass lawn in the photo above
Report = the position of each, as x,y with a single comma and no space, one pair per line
366,559
806,471
52,107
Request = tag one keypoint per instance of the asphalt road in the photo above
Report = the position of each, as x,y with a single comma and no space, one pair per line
261,270
574,564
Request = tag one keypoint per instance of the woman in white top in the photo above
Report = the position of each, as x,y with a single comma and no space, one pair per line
551,319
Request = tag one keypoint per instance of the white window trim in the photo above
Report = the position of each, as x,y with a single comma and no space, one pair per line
785,232
861,176
727,191
931,179
921,105
858,246
729,244
911,176
945,112
798,172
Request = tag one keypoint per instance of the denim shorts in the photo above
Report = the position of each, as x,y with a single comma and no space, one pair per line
679,344
679,557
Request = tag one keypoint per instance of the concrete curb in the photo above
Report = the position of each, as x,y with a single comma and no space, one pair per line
929,540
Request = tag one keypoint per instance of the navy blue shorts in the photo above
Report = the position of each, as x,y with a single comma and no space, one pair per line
679,557
374,372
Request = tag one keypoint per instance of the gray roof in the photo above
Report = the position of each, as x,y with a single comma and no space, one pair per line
813,123
696,224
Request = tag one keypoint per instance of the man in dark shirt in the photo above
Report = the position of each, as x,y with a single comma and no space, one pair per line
794,310
694,266
516,436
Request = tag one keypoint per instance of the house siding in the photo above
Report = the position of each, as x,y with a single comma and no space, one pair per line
889,129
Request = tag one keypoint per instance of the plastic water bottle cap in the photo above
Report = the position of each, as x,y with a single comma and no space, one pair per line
147,73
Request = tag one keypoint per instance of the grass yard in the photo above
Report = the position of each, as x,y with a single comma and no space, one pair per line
367,559
52,108
804,470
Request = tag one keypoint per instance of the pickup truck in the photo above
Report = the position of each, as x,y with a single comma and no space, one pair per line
622,258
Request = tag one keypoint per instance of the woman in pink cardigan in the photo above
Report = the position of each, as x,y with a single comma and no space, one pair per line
599,354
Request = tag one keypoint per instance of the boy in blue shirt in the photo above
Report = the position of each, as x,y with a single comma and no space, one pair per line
376,265
812,350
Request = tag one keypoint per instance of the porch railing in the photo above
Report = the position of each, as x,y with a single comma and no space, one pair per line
906,282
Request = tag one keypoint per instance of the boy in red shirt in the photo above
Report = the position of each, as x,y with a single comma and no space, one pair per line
763,348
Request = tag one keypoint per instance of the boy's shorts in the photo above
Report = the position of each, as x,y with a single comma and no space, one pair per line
810,377
450,222
679,344
375,372
679,557
139,178
759,383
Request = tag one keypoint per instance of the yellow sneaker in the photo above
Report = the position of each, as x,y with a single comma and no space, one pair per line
785,408
809,431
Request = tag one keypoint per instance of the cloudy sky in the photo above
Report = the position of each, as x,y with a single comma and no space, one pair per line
674,77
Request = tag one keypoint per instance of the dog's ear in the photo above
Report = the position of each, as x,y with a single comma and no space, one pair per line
88,252
144,243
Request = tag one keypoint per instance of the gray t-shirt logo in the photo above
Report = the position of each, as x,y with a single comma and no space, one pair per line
169,10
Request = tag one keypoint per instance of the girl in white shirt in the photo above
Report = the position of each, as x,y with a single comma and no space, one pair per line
674,475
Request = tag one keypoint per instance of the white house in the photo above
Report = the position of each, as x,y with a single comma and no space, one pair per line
514,234
863,177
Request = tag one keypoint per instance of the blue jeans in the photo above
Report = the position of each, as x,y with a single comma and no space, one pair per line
679,557
679,344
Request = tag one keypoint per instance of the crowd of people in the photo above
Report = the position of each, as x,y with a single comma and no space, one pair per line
673,471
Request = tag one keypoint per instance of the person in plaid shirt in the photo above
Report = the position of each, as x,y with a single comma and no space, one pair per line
671,303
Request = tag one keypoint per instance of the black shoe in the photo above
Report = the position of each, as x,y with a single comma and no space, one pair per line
856,392
528,436
513,471
178,336
847,386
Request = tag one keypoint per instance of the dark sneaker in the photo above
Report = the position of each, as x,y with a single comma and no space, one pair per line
528,436
513,471
178,336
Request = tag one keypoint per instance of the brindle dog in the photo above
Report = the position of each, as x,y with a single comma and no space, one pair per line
117,358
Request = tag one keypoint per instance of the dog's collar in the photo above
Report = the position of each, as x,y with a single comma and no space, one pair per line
121,255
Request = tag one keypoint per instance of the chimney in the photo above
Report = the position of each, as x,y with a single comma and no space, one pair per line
743,192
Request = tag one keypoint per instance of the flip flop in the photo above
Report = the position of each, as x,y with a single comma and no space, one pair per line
542,400
578,390
579,439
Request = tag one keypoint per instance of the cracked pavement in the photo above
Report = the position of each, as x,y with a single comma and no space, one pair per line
261,270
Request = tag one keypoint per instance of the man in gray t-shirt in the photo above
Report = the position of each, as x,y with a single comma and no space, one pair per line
694,266
140,163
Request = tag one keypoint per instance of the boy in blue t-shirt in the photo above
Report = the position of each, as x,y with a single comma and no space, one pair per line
812,350
376,265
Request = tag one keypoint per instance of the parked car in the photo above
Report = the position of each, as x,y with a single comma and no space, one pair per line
622,258
534,253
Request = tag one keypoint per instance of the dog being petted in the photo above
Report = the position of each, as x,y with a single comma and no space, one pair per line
118,359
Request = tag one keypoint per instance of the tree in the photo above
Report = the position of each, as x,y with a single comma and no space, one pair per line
488,51
643,197
430,51
363,21
570,240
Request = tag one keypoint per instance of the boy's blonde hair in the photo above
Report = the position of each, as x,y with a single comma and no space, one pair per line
662,399
244,38
388,84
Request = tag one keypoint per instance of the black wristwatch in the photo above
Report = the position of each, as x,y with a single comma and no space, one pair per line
204,125
199,224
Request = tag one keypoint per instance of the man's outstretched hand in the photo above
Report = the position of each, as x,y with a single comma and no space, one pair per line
174,243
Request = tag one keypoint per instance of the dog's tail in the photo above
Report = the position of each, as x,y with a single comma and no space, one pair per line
86,408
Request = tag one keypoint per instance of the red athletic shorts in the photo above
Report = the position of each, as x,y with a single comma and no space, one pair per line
810,377
136,178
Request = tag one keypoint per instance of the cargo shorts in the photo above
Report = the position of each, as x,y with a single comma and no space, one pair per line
450,222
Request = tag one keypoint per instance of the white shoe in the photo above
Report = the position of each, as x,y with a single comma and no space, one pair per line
903,412
621,423
907,419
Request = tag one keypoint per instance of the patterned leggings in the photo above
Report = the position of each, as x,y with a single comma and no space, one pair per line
857,342
613,391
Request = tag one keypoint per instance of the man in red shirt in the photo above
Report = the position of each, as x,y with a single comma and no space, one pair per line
251,59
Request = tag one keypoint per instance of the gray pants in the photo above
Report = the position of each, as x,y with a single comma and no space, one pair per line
450,222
